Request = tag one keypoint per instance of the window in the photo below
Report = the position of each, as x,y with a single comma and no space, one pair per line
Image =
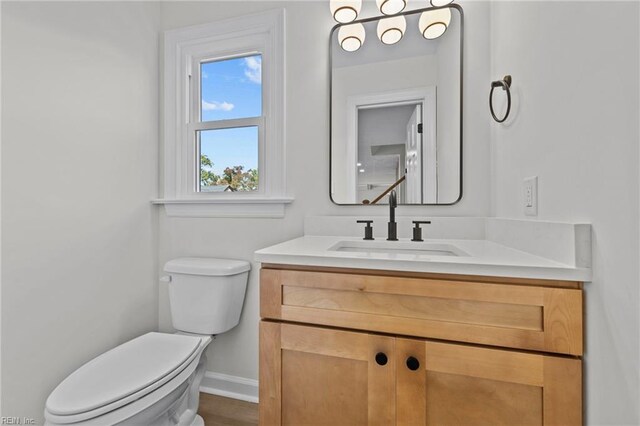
224,118
229,124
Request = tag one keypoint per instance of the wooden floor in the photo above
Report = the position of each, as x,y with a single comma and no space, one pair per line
220,411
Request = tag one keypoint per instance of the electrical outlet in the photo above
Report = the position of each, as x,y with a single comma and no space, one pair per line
530,200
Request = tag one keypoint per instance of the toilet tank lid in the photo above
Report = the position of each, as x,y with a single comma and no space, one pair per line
206,266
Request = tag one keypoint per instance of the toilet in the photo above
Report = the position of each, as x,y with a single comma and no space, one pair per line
154,379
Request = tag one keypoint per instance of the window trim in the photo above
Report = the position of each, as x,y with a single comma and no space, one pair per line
258,33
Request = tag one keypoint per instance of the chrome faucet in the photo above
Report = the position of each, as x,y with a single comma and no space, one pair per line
393,226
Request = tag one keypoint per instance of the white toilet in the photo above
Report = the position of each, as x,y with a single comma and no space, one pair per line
154,379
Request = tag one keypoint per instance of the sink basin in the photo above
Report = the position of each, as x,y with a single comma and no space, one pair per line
398,248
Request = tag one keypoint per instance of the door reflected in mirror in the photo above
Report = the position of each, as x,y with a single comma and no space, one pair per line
396,117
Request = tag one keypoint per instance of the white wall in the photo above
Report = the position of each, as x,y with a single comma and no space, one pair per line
307,153
575,126
79,155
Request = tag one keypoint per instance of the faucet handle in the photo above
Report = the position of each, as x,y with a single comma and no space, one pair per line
368,230
417,231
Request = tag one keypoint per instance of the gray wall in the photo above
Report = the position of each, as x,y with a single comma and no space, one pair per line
79,155
575,125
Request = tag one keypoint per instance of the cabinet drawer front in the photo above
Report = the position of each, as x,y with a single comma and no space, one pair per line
517,316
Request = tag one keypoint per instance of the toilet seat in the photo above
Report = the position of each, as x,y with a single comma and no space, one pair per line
124,374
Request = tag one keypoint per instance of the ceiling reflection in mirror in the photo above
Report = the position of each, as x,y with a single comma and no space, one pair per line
396,112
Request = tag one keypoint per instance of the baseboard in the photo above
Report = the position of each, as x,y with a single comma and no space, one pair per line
230,386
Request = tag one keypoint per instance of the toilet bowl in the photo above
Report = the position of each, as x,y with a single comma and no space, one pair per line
154,379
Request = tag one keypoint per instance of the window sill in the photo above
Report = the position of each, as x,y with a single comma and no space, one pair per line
250,207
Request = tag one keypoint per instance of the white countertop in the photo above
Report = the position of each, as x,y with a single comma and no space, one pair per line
481,257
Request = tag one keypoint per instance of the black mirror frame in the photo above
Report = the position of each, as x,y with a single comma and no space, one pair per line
377,18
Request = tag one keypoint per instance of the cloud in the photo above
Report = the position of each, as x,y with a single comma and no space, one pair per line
253,70
216,106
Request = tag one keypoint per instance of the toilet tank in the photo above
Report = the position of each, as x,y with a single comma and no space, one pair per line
206,294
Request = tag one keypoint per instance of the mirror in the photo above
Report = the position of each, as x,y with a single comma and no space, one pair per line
396,115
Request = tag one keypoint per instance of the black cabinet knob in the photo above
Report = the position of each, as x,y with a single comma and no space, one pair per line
412,363
381,358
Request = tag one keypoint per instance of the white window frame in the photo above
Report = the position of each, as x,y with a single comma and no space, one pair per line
184,50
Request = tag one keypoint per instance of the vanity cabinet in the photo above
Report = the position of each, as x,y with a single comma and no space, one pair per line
353,347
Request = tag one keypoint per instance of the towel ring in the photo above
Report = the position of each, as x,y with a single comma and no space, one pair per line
505,83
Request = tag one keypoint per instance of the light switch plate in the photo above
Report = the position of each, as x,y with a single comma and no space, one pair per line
530,196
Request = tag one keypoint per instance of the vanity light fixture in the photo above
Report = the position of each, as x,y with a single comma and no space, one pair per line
434,23
391,7
345,11
351,37
391,30
361,170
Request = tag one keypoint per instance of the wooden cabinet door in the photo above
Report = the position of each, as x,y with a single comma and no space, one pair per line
451,384
318,376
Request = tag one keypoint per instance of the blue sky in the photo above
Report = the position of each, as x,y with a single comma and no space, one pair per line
231,147
231,88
